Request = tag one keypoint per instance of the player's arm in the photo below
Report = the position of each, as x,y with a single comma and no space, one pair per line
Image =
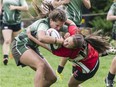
110,15
61,65
35,39
48,39
69,22
23,7
0,7
63,2
87,3
57,3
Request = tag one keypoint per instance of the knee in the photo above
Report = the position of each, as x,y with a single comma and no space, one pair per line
41,65
54,79
69,84
7,41
72,84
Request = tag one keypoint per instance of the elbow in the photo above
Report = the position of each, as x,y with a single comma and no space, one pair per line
26,8
89,6
108,18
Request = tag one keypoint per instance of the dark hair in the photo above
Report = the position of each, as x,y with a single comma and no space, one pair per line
57,15
78,40
97,42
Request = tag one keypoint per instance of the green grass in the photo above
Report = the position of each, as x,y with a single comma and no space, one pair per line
13,76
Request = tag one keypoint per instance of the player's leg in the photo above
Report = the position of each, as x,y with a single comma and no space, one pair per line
79,77
7,36
74,83
50,76
16,29
109,80
16,33
113,66
32,59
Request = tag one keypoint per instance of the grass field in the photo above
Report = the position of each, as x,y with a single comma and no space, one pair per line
13,76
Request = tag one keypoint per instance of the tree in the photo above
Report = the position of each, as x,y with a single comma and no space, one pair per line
100,22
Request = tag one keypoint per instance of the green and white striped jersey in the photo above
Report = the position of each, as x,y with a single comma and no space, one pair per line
12,16
74,11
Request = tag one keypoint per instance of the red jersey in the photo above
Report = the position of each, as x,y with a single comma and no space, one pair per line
72,29
84,64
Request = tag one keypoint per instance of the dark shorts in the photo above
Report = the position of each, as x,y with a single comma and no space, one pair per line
84,76
18,50
14,27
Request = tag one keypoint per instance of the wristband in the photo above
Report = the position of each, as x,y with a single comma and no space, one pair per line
60,69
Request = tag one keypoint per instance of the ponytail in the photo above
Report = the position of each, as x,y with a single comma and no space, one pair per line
44,9
98,43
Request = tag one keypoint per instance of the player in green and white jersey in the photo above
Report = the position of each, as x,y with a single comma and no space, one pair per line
25,47
11,22
74,9
111,16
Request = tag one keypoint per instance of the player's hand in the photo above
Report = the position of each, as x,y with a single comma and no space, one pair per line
60,40
59,76
12,7
66,35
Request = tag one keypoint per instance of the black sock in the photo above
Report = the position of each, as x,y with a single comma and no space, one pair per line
111,76
60,69
5,56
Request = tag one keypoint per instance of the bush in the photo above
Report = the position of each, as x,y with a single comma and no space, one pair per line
100,23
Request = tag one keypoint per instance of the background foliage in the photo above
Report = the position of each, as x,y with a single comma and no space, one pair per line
99,21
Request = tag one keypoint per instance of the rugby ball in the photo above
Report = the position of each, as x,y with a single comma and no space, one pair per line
53,33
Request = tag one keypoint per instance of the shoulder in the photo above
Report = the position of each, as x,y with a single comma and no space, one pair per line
113,5
44,21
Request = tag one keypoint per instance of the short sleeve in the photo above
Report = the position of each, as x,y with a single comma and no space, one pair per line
112,9
73,29
23,3
42,26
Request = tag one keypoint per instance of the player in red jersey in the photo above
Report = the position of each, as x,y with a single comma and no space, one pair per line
83,53
85,58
